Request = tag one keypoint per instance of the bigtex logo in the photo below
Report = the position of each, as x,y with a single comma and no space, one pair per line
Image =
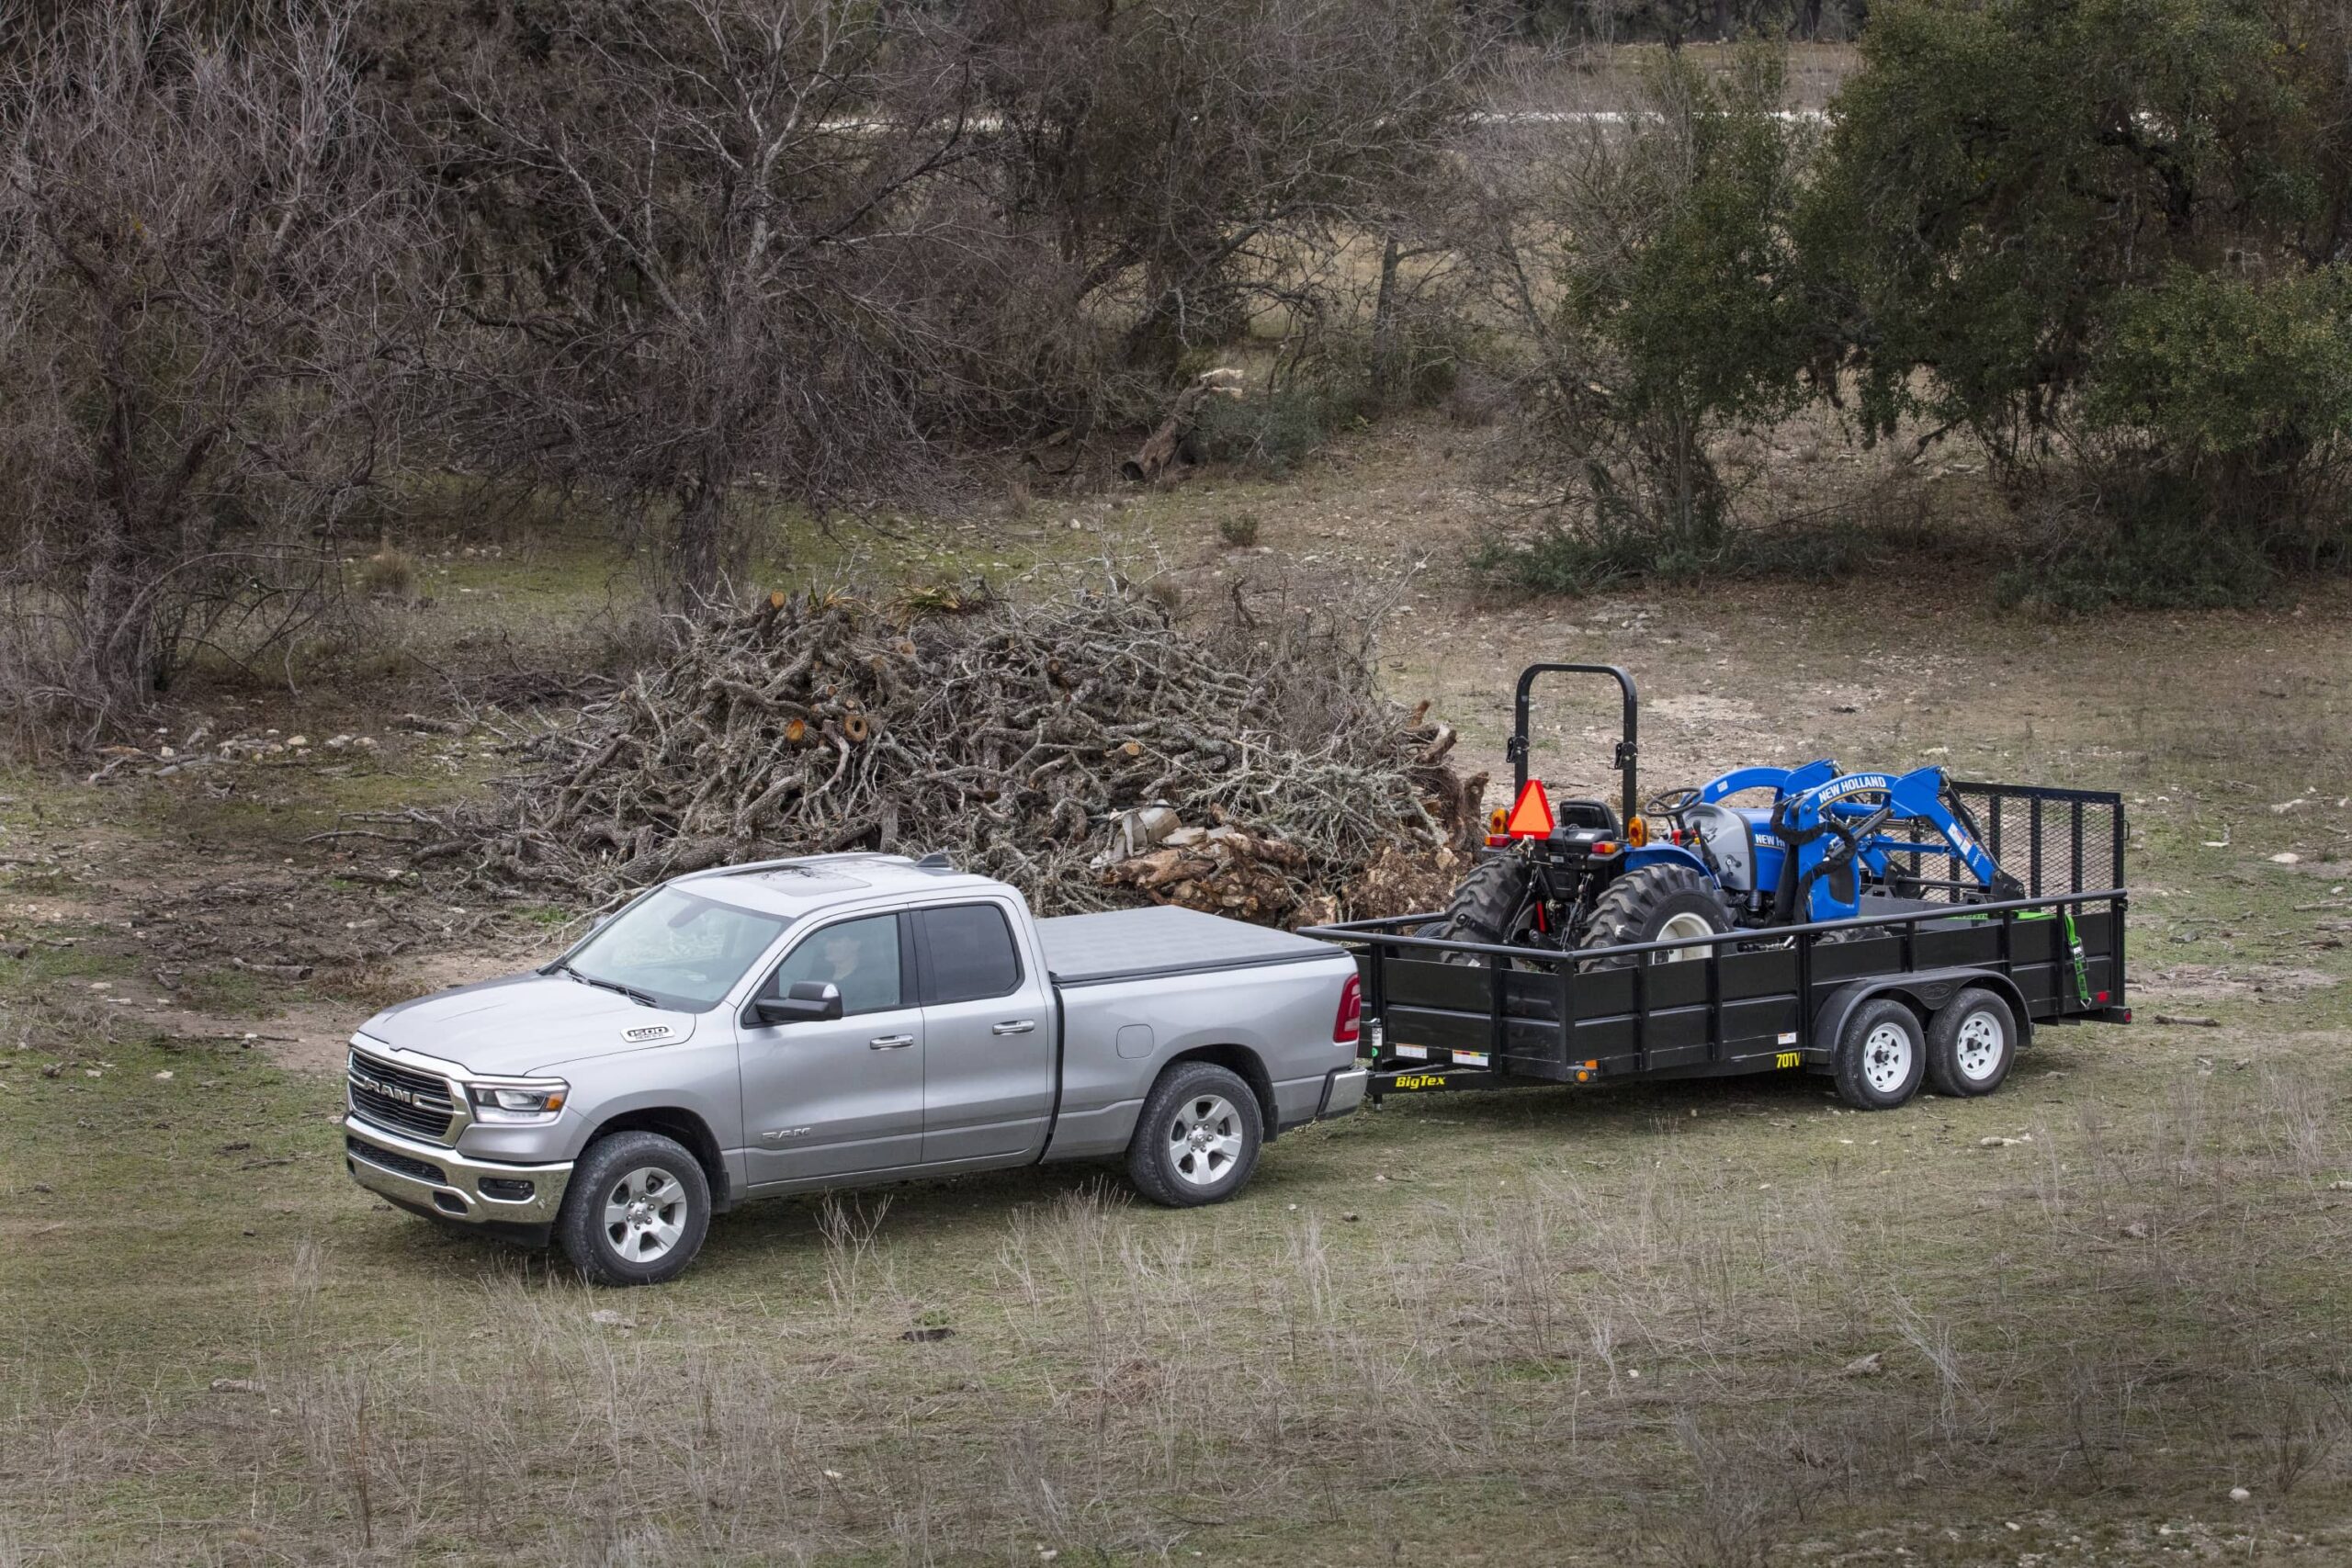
1420,1080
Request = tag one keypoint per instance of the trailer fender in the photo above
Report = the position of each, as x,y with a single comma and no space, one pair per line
1926,990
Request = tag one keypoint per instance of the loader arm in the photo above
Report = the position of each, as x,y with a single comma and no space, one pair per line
1835,834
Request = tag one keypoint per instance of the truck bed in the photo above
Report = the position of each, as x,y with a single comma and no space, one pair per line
1133,944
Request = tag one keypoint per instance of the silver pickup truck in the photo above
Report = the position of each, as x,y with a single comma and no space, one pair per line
835,1022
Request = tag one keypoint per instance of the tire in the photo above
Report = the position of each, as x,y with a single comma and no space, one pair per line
636,1212
1483,908
1881,1055
1970,1043
1642,906
1198,1137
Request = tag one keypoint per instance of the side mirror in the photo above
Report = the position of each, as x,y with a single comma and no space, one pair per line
810,1001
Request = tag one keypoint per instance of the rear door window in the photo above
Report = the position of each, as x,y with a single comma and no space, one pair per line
967,953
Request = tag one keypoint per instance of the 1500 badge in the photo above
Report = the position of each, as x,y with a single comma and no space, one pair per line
647,1031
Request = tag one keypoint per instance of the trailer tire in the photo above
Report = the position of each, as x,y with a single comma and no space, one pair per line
650,1190
1881,1055
1647,904
1198,1137
1482,908
1970,1043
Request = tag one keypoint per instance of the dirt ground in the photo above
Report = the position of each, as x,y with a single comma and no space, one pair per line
1705,1323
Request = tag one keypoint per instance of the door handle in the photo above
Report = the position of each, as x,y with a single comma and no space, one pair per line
1014,1026
890,1041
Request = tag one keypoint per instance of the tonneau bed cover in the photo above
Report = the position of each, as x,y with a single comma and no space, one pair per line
1131,944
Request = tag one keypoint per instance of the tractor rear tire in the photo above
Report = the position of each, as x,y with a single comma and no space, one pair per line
1641,906
1482,908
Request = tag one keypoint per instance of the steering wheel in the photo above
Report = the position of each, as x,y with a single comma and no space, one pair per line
1672,802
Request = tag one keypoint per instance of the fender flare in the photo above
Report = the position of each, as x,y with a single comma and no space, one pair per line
1667,855
1928,991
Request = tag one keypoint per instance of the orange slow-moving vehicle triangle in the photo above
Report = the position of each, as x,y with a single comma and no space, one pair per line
1531,817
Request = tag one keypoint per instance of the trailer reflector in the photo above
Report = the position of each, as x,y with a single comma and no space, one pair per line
1530,816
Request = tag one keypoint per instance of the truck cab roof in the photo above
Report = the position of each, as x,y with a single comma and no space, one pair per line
794,887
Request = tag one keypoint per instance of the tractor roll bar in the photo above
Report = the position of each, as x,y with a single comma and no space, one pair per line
1628,744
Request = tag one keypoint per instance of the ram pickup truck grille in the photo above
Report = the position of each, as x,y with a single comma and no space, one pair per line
401,1097
359,1148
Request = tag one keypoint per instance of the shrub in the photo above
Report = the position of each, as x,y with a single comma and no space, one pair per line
387,574
1271,432
1606,554
1240,530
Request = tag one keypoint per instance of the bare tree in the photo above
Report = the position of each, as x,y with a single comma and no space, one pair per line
1195,160
201,241
711,238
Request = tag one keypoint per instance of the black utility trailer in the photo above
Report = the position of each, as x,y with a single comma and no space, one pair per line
1848,998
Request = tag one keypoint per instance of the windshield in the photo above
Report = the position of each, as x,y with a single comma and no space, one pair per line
682,951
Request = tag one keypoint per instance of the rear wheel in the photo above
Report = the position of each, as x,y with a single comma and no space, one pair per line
1490,907
1657,903
1970,1044
1881,1055
1198,1139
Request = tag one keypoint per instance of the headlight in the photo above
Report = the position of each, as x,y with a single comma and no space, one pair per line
520,1103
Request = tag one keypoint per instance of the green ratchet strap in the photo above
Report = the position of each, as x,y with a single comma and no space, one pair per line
2073,947
2082,967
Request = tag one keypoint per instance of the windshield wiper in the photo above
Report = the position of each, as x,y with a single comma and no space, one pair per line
643,998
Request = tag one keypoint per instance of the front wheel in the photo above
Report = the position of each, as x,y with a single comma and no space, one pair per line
636,1212
1881,1056
1197,1140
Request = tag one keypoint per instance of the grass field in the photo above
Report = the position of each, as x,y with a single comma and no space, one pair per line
1714,1323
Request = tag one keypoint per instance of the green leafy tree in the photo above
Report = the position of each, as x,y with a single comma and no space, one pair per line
2103,231
1667,313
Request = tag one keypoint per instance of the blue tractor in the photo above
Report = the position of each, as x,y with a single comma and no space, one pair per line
1755,848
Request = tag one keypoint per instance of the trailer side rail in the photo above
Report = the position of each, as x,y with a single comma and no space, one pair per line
1736,1001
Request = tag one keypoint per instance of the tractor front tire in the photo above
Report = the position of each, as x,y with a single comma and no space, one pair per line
1651,905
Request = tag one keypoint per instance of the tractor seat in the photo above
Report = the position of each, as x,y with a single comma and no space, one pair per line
1584,814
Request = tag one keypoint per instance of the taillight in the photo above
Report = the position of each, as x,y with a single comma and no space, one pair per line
1348,1027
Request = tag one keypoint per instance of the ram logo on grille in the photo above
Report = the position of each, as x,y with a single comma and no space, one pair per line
377,1086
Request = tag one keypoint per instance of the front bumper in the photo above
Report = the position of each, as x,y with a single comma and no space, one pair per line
431,1180
1343,1091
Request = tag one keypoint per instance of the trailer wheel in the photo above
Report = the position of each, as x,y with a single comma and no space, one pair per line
1198,1139
1970,1044
1657,903
1881,1055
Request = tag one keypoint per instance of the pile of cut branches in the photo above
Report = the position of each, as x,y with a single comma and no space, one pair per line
1023,740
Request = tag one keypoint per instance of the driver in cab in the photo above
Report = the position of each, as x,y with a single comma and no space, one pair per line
860,958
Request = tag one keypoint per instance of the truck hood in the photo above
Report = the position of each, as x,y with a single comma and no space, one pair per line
524,1022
